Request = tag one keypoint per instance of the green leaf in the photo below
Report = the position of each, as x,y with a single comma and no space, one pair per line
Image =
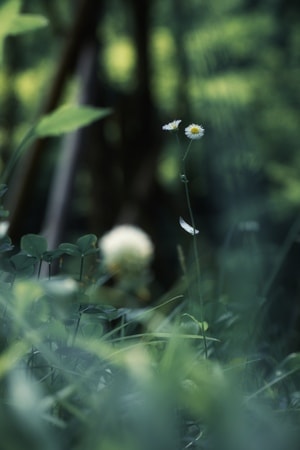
5,244
34,245
13,23
8,11
290,364
50,255
70,249
26,22
22,264
87,243
68,118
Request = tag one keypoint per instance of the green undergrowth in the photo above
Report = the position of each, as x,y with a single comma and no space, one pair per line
81,374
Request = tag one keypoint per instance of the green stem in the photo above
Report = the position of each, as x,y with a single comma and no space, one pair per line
40,268
185,155
196,256
195,249
77,327
81,267
79,310
16,155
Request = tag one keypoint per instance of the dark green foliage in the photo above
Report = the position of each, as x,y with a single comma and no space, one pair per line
34,245
20,265
132,368
85,245
50,255
5,244
70,249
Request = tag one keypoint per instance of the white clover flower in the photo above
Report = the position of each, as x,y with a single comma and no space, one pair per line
126,248
194,131
171,126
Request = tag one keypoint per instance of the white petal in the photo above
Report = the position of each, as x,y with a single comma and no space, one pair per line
187,227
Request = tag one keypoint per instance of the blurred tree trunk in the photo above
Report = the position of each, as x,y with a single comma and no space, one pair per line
73,149
23,186
122,175
140,149
123,171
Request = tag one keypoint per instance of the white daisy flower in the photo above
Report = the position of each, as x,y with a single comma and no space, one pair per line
126,248
171,126
194,131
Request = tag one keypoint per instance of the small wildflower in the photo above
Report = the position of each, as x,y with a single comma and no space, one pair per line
172,126
126,248
194,131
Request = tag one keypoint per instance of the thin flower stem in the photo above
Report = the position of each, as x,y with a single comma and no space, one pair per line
195,249
185,155
196,256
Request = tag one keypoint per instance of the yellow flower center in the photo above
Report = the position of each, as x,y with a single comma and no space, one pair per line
194,130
